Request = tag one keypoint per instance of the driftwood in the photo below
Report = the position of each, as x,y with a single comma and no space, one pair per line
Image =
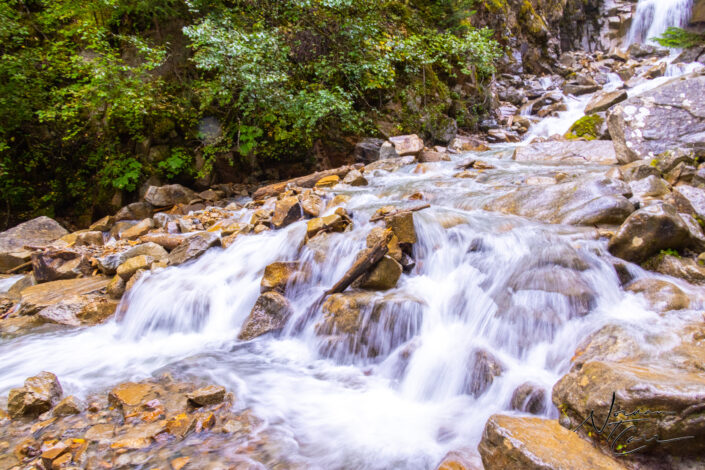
19,268
308,181
399,211
367,259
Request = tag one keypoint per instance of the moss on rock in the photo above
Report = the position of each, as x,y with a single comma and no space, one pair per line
587,127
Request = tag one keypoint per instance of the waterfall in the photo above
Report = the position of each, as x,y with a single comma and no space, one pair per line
653,17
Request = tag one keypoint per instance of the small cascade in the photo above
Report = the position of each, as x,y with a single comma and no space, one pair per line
653,17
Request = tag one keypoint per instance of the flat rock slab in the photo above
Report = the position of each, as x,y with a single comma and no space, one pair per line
568,152
514,443
43,295
36,232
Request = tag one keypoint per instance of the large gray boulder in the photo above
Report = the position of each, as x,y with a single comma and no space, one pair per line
169,195
568,152
37,232
672,115
596,201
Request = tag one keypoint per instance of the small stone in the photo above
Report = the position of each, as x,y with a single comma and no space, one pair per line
130,394
210,395
69,406
89,238
37,396
193,247
179,425
286,211
529,398
54,452
116,287
402,225
104,224
179,463
355,178
138,230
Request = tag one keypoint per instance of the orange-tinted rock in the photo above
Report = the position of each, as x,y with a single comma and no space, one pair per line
130,394
210,395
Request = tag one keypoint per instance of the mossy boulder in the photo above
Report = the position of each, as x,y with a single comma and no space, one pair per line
587,127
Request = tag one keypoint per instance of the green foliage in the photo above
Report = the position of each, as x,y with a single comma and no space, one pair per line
587,127
87,86
670,252
678,38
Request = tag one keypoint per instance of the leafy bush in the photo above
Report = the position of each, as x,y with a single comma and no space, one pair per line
678,38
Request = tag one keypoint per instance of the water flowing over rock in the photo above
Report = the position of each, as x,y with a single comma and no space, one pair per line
270,313
193,247
575,152
670,116
599,201
38,232
605,100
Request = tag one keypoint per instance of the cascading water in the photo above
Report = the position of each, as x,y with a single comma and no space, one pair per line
488,292
653,17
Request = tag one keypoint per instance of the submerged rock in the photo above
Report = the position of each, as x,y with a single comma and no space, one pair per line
383,276
676,266
662,296
514,443
529,398
483,367
605,100
210,395
38,232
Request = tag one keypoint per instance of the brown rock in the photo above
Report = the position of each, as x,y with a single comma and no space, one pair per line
430,156
482,368
96,310
193,247
169,195
513,443
662,296
138,230
130,394
278,275
307,181
529,398
132,265
407,144
54,265
94,238
383,276
355,178
69,406
166,240
37,396
328,181
37,297
210,395
135,277
286,211
337,222
37,232
605,100
402,224
140,436
51,454
135,211
462,459
104,224
676,266
116,287
311,203
180,425
269,314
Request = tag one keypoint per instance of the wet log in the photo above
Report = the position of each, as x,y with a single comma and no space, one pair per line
308,181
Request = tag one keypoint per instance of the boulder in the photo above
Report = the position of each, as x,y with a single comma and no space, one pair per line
336,222
355,178
116,288
35,298
692,198
311,203
132,265
678,267
387,150
169,195
137,230
669,116
650,187
407,144
529,398
279,275
482,368
39,394
104,224
90,238
402,225
135,211
430,156
648,231
270,314
516,443
69,406
662,296
383,276
38,232
109,264
639,170
54,265
591,202
367,151
328,181
165,240
605,100
568,152
367,324
286,211
640,50
390,164
210,395
193,247
130,394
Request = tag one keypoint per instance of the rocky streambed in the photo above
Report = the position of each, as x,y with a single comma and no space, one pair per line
453,307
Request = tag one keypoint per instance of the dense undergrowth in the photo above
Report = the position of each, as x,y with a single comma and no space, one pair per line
96,96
